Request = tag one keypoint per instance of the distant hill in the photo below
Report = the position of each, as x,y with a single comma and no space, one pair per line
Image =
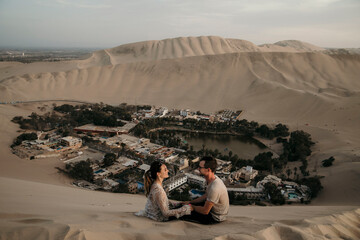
189,47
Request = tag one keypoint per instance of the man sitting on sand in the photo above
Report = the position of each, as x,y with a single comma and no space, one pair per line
213,206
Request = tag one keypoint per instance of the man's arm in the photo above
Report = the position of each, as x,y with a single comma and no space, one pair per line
204,209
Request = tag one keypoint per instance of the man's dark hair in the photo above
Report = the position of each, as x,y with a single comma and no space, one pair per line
210,162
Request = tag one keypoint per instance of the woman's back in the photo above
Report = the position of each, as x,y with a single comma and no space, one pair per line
157,205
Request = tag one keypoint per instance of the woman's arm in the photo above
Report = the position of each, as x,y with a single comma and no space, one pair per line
162,201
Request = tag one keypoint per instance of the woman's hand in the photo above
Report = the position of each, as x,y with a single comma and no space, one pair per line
191,207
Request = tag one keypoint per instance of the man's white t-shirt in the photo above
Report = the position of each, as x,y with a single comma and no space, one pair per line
217,193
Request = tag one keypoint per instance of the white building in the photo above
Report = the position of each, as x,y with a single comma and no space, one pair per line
108,184
269,178
195,179
101,174
175,182
144,167
144,140
184,163
171,158
162,111
184,113
245,173
130,163
71,141
249,192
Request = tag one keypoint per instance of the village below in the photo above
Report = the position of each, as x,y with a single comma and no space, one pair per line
109,148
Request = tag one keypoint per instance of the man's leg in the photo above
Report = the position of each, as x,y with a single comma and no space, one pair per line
198,217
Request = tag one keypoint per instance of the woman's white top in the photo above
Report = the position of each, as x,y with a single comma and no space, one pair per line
157,205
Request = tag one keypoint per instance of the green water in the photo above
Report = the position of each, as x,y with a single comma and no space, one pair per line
244,147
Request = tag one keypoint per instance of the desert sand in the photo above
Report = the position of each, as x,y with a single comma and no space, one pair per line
291,82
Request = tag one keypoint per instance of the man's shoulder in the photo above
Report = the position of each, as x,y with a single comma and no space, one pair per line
218,182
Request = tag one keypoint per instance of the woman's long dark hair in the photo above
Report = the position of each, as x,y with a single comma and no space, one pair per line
150,176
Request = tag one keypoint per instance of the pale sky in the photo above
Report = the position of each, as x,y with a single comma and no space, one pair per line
109,23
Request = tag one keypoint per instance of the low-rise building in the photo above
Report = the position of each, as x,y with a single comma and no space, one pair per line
269,178
101,174
106,130
109,184
174,182
185,112
172,158
245,174
144,167
162,111
183,163
115,168
72,142
249,192
195,179
144,140
131,163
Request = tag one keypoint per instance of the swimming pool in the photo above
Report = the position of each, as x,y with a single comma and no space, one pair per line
292,195
197,192
99,171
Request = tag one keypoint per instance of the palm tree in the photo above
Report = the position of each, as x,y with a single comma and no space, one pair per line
288,172
230,154
203,149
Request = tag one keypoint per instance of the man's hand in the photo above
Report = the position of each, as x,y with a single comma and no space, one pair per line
191,207
204,209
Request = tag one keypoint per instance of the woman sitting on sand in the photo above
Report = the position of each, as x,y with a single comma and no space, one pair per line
157,205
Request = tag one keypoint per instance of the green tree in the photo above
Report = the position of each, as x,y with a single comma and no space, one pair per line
288,172
275,194
83,171
263,161
265,131
24,136
122,188
230,154
109,159
314,184
298,147
328,162
281,130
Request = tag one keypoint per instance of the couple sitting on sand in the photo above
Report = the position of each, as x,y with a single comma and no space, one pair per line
210,208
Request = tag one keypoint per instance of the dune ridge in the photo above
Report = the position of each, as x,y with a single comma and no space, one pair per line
181,47
274,68
335,226
188,47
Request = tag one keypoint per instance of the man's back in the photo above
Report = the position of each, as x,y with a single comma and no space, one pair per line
217,194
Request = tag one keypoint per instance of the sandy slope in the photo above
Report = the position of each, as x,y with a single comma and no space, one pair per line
289,82
43,211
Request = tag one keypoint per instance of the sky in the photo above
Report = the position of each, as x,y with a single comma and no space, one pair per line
110,23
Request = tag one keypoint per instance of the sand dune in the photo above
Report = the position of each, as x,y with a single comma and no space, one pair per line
42,211
240,73
156,50
188,47
291,82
